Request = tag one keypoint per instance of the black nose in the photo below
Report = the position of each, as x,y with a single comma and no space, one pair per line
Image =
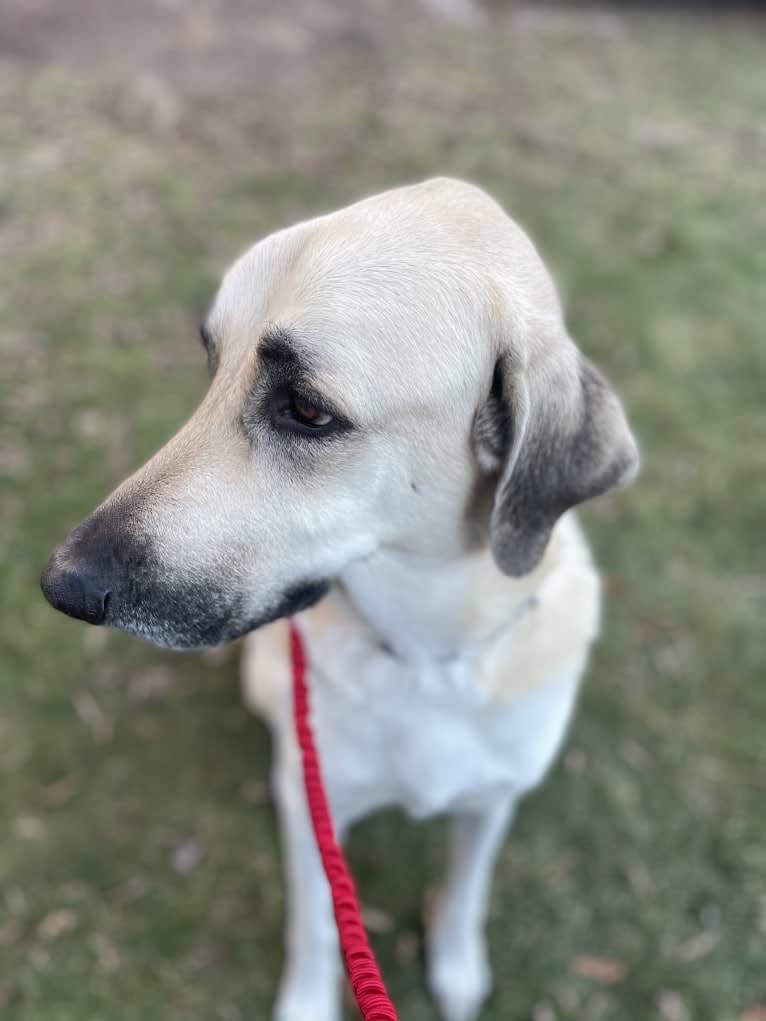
70,586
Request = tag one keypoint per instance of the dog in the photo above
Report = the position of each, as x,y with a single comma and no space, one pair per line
396,430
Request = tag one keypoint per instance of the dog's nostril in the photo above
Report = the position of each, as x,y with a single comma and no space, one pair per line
69,586
92,608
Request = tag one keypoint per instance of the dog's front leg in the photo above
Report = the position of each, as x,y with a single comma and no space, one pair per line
310,987
458,969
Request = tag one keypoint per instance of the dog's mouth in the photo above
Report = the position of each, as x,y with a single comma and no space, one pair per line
201,630
294,600
170,615
110,573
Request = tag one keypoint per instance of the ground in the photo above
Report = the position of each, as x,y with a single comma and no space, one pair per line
142,147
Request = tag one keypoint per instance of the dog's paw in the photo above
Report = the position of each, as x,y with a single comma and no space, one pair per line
460,979
298,1002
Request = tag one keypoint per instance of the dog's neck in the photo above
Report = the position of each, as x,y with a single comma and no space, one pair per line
425,609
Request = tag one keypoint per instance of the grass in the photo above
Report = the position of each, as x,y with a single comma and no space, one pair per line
139,865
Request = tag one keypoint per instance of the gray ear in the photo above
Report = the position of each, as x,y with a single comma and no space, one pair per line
556,434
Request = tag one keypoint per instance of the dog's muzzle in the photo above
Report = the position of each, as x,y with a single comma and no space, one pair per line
108,572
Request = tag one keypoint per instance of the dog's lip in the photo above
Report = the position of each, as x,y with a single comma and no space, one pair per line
230,628
294,600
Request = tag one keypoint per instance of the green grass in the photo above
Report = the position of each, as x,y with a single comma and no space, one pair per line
634,150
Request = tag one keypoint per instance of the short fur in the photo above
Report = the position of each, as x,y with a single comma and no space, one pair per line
464,425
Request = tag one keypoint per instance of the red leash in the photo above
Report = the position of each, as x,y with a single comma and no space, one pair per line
361,966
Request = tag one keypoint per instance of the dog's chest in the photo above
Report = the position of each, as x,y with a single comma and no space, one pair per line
428,741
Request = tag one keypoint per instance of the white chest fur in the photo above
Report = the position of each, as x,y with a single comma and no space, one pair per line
432,735
428,742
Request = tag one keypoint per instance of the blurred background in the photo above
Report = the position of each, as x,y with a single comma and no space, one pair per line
142,146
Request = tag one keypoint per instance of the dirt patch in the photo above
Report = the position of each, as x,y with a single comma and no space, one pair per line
206,46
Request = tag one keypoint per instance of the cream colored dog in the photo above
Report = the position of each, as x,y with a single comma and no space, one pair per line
398,420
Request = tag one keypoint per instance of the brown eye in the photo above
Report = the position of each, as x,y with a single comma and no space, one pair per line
308,414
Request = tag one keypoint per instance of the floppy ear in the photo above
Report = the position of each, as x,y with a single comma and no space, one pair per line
555,432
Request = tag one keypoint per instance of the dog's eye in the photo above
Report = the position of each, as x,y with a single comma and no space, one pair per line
308,414
300,413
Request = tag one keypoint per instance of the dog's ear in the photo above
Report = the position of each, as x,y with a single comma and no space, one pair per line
554,432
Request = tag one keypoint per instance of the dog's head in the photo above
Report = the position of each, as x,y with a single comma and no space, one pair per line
371,372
